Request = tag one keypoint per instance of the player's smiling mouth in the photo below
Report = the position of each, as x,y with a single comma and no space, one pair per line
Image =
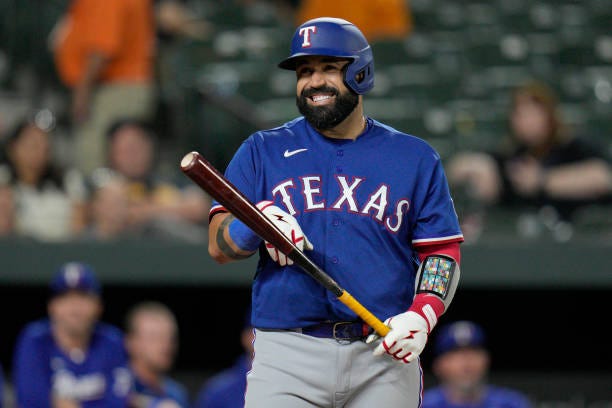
321,98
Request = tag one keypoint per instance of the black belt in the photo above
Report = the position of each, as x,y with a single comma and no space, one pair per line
341,331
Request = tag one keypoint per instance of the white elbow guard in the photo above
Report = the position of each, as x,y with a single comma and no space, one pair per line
438,275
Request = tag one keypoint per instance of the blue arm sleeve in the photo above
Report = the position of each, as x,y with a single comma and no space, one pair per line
31,375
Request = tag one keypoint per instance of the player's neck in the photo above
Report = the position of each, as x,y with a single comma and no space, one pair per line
69,342
349,128
147,376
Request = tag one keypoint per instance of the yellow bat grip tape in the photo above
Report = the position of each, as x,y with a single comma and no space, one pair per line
364,313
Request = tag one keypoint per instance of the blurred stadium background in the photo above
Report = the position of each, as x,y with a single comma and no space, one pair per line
542,297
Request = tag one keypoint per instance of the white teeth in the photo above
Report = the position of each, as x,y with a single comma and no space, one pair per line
317,98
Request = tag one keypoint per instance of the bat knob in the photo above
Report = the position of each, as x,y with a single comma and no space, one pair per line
189,160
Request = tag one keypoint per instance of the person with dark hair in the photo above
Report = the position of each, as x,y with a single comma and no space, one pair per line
157,205
49,202
71,359
151,341
108,208
541,163
461,364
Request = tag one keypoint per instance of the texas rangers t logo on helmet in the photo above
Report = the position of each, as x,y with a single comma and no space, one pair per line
305,32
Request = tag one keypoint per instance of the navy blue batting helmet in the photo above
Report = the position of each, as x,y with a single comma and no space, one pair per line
335,37
75,276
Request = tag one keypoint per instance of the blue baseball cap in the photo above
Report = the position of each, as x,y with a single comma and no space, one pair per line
459,334
75,276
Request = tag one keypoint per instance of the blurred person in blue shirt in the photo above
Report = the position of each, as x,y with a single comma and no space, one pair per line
226,389
461,364
151,341
71,359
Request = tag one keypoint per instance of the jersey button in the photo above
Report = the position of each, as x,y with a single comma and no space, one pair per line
338,169
336,222
340,153
334,260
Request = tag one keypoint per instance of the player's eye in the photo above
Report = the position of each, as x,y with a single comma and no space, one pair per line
303,71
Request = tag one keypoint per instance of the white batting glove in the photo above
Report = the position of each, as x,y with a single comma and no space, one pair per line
407,337
289,226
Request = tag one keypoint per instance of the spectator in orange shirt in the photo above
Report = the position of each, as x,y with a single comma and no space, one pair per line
377,19
104,52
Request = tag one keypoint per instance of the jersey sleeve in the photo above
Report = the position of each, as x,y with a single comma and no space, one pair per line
240,172
31,378
436,220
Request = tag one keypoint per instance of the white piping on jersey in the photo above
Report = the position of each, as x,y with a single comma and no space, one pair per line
416,241
292,152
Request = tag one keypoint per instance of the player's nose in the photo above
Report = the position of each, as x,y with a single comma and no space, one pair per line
317,79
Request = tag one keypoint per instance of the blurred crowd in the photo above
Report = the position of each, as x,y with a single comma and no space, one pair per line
105,167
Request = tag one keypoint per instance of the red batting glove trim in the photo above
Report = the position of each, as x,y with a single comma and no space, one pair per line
429,307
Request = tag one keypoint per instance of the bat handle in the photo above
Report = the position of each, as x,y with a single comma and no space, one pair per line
364,313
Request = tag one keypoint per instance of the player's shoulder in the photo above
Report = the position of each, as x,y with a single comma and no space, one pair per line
507,397
434,398
109,334
36,331
293,128
401,138
175,390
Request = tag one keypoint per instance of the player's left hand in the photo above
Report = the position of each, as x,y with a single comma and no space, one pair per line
406,339
288,226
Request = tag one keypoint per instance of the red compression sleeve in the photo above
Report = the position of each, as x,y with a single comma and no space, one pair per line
451,250
429,306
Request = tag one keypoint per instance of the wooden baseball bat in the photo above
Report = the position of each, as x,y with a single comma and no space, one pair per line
205,175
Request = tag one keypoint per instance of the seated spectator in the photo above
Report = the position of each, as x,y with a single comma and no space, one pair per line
49,202
461,365
151,340
7,210
543,164
71,359
163,207
109,208
226,389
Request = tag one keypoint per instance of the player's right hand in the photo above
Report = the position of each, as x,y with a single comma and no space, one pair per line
288,226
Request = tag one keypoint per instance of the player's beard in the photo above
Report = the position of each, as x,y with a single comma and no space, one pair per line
328,116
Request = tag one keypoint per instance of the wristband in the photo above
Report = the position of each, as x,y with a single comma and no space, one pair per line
243,236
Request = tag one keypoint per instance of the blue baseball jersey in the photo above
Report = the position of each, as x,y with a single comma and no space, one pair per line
494,396
97,378
226,389
365,204
171,390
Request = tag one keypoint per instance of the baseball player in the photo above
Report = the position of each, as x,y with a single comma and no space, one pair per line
371,206
71,359
461,364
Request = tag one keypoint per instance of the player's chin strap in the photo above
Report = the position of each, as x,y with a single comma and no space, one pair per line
436,282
